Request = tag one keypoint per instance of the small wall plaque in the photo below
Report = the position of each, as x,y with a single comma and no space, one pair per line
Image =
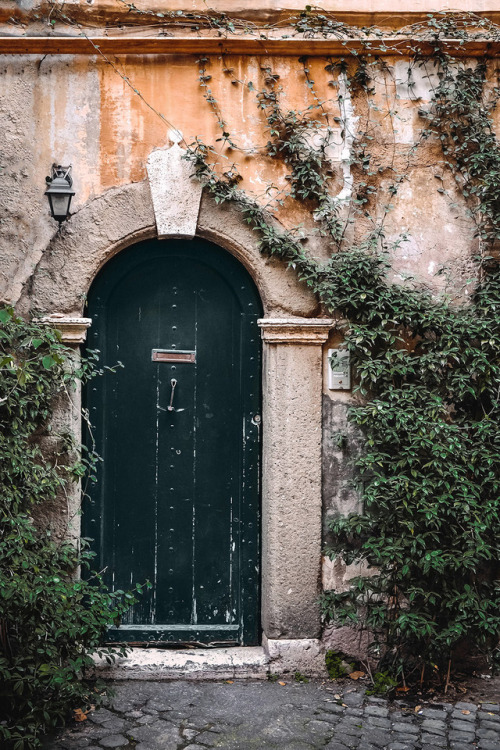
339,370
172,355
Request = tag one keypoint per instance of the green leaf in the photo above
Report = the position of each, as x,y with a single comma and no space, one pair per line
48,361
6,314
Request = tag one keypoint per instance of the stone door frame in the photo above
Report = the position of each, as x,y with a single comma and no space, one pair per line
293,339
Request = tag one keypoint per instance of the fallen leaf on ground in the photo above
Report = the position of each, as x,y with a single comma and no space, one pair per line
465,712
79,715
356,675
229,682
337,696
403,689
281,683
417,709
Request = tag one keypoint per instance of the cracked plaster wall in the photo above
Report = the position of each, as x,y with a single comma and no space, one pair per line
76,109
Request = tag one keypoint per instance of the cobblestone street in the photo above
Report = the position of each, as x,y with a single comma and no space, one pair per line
181,715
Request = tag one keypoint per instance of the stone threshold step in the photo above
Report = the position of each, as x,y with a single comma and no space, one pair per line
184,663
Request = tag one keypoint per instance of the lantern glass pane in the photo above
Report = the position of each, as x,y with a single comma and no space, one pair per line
59,205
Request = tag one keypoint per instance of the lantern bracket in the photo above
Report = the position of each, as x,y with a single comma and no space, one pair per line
60,171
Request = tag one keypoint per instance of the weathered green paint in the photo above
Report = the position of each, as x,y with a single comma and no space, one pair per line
177,496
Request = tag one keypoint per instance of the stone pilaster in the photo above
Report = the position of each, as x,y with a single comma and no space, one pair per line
291,500
67,418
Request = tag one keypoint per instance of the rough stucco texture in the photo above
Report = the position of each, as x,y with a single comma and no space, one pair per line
77,110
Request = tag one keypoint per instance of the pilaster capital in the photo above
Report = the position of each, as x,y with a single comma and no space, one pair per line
312,331
73,329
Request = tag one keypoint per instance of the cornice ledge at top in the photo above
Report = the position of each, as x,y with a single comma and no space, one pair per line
386,46
296,330
73,329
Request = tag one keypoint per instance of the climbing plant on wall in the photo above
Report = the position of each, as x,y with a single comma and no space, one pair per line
426,363
51,621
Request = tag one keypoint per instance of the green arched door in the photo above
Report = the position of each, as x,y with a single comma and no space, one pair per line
177,496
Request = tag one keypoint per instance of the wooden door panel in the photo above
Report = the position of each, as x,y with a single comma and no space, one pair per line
177,497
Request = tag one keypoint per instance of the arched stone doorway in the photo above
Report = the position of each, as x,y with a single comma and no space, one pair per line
293,341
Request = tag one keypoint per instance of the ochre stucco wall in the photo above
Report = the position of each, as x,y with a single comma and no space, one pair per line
77,110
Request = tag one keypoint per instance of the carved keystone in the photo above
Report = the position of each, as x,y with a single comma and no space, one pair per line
175,192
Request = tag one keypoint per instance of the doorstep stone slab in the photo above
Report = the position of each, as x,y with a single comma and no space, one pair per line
304,655
192,664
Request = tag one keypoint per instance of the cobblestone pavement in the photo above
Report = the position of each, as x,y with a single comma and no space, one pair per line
296,716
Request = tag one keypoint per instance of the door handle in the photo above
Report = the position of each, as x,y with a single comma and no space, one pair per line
171,406
173,383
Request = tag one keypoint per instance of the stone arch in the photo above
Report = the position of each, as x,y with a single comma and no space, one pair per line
293,339
123,216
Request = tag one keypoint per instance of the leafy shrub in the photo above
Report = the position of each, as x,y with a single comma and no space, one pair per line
51,622
431,468
429,473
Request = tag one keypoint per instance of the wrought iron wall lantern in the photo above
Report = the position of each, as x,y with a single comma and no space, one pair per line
59,192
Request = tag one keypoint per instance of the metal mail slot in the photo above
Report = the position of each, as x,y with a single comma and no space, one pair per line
172,355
